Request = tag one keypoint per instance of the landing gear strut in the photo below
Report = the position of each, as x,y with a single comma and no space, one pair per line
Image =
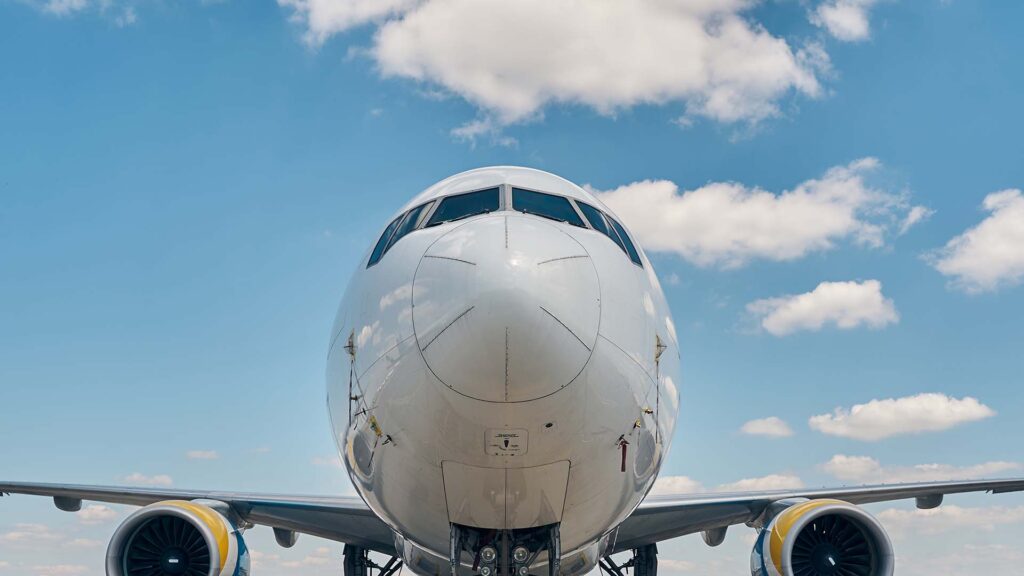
357,562
505,552
644,563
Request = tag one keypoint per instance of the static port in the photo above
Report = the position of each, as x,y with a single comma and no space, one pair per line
520,554
486,571
488,554
523,571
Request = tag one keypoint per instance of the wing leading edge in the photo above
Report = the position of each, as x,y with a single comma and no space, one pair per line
662,517
342,519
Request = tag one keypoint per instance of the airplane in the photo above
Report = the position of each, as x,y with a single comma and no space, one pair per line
503,387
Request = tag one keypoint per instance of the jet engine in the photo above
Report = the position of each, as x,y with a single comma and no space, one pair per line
178,538
822,538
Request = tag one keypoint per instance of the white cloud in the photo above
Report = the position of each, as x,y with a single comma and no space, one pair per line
727,224
85,543
990,255
59,569
687,485
957,560
770,482
96,514
866,470
676,485
915,216
143,480
845,20
671,565
327,461
772,427
202,455
880,419
324,18
29,535
121,12
950,518
62,7
845,305
319,557
708,56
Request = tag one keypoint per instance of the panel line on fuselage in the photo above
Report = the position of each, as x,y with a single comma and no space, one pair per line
563,258
567,328
450,258
436,336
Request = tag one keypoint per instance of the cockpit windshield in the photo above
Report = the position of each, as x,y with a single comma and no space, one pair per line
545,205
465,205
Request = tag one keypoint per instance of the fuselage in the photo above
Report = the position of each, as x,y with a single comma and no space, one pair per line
503,370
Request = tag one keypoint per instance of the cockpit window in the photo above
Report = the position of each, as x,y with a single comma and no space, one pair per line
382,244
630,249
408,224
598,222
607,225
465,205
545,205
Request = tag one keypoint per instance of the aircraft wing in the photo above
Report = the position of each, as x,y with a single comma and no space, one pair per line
661,517
342,519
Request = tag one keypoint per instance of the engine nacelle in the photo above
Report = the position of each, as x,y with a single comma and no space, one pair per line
823,538
177,538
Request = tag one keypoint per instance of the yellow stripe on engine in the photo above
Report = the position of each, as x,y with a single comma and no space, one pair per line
213,520
785,522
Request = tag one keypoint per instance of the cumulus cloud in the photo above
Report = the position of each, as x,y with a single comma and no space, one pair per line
915,216
727,224
845,20
867,470
121,12
676,485
96,514
950,518
687,485
143,480
324,18
202,455
676,565
708,57
85,543
772,427
845,305
319,557
29,535
880,419
990,255
770,482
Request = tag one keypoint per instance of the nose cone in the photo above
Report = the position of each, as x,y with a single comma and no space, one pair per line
506,308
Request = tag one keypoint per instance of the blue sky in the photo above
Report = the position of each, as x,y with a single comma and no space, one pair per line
185,188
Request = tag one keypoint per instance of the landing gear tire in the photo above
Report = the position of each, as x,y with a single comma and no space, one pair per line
646,560
356,561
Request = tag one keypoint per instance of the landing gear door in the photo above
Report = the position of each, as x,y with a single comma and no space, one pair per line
536,496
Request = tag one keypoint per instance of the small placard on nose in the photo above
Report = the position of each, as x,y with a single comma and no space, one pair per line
506,441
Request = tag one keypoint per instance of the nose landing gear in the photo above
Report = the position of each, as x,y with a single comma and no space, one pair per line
504,552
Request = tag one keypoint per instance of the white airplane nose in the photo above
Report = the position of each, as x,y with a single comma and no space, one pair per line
506,308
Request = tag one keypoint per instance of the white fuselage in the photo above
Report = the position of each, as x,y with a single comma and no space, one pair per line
492,371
